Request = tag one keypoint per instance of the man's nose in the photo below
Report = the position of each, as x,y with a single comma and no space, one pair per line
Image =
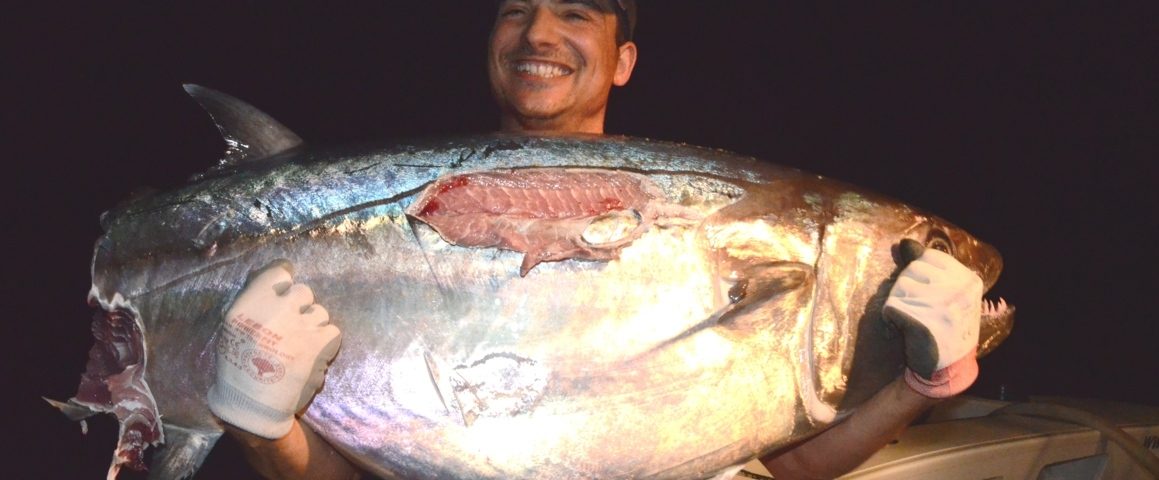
543,29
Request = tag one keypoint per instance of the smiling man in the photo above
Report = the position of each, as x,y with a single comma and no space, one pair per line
552,65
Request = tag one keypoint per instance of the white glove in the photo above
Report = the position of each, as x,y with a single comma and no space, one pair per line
937,304
272,353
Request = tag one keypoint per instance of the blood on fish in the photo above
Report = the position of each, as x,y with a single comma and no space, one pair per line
432,207
455,182
607,205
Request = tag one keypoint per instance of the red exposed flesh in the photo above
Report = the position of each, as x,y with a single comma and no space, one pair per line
114,382
434,205
534,193
541,212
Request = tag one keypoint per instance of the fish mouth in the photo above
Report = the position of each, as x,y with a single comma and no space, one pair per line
114,382
540,69
996,324
997,317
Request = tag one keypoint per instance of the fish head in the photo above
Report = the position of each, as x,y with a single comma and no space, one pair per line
866,243
980,257
816,260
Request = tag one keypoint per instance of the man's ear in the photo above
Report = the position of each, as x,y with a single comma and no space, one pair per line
625,63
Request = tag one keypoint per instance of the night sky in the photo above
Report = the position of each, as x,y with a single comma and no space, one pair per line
1033,126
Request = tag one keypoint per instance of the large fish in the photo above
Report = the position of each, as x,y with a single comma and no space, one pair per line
514,307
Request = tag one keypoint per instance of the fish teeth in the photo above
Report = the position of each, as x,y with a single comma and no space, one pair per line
991,308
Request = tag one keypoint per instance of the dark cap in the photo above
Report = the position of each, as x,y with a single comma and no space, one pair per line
625,11
626,19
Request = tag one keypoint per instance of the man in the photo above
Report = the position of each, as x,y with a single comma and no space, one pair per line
552,64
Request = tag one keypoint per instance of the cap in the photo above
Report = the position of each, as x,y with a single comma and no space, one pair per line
626,16
625,11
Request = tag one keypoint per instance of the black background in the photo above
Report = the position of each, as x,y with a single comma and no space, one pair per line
1033,125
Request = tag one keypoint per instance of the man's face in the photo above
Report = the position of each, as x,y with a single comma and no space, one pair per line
552,63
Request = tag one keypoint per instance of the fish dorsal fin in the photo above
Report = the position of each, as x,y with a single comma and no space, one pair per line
249,133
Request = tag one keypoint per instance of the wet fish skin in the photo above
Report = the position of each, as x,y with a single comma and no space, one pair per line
745,318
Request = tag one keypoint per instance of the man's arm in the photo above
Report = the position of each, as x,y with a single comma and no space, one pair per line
936,304
849,443
301,454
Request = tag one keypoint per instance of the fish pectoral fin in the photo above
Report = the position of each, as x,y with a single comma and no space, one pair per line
761,284
183,452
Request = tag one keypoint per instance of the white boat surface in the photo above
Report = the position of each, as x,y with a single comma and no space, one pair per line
970,438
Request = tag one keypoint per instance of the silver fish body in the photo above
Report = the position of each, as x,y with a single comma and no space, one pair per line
736,310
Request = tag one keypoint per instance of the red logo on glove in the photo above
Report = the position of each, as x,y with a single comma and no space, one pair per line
266,368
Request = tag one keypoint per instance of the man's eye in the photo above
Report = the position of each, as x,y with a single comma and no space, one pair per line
576,15
511,12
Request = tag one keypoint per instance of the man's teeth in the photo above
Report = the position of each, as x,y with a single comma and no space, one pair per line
544,70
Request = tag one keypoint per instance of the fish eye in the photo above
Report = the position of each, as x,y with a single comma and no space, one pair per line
738,291
938,240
